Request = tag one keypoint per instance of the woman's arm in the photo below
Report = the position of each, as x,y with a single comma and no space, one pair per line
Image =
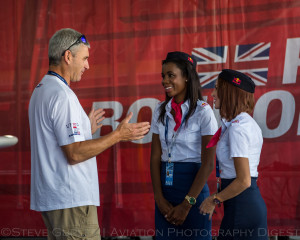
207,165
180,212
240,184
242,181
155,163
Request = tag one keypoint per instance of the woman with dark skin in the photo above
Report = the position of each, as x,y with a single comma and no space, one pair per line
182,126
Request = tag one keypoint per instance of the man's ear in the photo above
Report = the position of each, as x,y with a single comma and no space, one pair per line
67,57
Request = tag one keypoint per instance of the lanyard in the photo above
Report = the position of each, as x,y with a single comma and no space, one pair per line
217,168
174,136
57,75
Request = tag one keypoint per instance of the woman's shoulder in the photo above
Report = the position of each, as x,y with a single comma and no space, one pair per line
203,106
157,109
158,106
244,123
245,126
242,119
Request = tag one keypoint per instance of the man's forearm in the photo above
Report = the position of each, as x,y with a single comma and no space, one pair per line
81,151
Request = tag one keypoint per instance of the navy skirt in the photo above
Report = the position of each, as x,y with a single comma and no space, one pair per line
245,216
196,225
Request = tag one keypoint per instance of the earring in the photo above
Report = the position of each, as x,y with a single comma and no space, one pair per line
185,80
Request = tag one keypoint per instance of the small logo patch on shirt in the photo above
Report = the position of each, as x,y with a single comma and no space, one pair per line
74,127
204,104
236,121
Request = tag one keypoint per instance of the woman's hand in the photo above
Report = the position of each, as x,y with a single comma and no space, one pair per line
164,206
207,206
179,213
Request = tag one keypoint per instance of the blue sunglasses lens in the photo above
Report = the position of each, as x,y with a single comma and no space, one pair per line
83,39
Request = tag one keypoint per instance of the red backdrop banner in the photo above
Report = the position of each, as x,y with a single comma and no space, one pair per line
129,38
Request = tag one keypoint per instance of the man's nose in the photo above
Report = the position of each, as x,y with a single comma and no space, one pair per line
87,66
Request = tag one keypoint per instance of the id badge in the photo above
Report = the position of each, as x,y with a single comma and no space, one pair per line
169,173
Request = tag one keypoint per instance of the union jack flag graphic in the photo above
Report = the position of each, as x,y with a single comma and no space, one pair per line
251,59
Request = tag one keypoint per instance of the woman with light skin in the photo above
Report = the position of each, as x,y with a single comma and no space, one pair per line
238,154
182,125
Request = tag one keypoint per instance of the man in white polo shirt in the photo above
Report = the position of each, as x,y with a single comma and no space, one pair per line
64,177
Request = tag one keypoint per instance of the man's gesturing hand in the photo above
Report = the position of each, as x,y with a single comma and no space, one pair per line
132,131
96,117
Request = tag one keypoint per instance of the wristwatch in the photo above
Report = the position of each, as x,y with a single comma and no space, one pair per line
216,200
191,200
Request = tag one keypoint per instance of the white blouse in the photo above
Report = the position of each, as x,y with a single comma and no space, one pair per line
241,137
187,146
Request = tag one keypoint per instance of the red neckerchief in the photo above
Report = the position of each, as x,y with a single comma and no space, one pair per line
178,113
214,140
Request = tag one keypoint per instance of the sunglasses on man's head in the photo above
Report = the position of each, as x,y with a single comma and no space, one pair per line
81,39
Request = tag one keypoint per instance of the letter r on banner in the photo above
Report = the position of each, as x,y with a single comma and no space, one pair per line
292,61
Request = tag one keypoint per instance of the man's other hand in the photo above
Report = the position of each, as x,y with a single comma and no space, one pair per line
96,117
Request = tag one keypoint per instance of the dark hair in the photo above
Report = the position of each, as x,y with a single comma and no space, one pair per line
193,89
233,100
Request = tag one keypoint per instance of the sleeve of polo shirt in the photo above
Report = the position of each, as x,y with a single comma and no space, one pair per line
238,141
67,120
154,122
208,122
